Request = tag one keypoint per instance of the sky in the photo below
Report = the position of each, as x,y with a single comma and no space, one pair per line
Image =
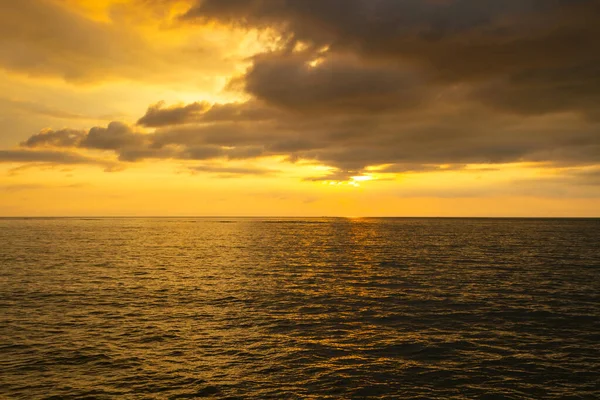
300,108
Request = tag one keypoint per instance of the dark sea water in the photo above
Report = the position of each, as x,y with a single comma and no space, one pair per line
299,308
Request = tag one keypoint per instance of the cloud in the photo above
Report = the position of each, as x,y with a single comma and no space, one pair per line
573,183
157,115
575,177
530,56
546,90
421,168
49,157
115,136
331,83
52,138
412,85
425,139
588,177
228,172
415,28
130,145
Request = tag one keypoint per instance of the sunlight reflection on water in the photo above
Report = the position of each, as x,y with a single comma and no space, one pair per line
293,308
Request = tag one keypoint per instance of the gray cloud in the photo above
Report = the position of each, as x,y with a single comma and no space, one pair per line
52,138
157,115
115,136
588,177
569,184
412,84
337,83
422,168
416,27
250,111
546,90
530,56
417,85
422,140
579,177
228,172
134,154
50,157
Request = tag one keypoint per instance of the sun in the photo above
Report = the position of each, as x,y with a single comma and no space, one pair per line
362,178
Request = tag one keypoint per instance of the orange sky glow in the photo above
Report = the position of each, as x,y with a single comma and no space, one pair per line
204,108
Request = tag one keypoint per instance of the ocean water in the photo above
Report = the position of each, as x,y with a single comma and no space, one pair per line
299,308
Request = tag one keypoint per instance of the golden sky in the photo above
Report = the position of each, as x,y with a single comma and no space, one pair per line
299,108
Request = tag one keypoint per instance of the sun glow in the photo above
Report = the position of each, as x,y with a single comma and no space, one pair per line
302,115
363,178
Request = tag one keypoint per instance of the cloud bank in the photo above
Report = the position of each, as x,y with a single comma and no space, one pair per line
411,85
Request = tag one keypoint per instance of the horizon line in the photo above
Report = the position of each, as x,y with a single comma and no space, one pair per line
284,216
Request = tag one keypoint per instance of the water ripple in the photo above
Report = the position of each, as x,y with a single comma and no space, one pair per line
293,308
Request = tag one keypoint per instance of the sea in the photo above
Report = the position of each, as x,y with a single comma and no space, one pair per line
297,308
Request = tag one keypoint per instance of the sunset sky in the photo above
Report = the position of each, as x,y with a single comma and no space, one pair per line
300,108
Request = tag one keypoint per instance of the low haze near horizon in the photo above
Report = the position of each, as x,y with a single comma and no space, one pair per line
300,108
